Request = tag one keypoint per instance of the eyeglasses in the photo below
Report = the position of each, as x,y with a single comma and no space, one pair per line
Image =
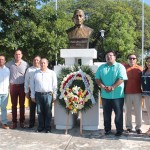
148,63
131,58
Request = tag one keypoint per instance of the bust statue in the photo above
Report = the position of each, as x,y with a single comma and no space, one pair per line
79,34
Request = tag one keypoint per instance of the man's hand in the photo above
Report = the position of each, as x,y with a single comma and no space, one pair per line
27,95
54,99
33,100
109,88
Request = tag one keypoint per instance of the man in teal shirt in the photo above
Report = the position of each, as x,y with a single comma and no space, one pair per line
110,78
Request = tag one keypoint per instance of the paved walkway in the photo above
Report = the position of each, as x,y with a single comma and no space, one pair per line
28,139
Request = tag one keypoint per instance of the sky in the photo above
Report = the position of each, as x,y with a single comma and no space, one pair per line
147,2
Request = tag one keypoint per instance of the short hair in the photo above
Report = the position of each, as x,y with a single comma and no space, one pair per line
44,59
36,56
80,11
130,55
18,50
110,51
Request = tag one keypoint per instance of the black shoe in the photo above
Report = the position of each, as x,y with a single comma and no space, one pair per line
107,132
48,131
138,131
39,130
30,126
129,130
118,133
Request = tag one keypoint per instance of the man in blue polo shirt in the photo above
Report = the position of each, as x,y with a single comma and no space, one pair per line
110,78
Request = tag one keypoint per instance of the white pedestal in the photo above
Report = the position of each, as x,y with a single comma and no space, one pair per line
71,56
91,118
61,116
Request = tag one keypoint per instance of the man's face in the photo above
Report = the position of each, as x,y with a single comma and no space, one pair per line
2,61
110,58
18,55
44,64
132,60
78,18
36,62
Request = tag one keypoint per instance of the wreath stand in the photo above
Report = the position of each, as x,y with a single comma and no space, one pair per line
90,118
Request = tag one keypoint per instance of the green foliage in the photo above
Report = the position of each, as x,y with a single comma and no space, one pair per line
42,31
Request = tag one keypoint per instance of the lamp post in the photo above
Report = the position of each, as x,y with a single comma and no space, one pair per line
102,36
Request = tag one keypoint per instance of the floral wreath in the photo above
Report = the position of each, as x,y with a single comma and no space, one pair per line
77,88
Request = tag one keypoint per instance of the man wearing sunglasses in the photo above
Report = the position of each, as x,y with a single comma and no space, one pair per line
133,94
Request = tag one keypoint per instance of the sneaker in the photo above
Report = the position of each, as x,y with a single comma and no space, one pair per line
129,130
118,133
148,132
138,131
5,126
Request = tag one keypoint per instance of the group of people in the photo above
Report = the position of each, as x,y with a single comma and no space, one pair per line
38,83
121,83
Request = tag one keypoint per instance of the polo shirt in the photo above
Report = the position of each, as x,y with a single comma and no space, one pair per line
108,76
133,85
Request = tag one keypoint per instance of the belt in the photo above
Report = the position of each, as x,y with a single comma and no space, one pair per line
44,93
17,84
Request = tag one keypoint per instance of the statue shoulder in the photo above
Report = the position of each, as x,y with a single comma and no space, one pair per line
70,29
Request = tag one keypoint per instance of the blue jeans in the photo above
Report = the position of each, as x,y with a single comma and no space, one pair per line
117,106
3,104
44,110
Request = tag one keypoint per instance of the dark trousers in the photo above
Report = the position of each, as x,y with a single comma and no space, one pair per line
17,91
44,110
32,112
117,106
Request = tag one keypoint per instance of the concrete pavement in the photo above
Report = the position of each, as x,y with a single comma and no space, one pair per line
28,139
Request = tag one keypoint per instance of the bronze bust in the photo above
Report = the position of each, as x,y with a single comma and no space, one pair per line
79,34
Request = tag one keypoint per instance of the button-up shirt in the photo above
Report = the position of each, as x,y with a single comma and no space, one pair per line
17,72
28,76
4,80
108,76
44,82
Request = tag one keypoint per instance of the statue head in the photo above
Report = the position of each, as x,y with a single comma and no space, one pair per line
78,17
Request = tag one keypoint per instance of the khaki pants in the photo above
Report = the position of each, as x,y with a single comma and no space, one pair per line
136,101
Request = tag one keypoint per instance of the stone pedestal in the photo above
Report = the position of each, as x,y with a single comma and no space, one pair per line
61,117
90,118
71,56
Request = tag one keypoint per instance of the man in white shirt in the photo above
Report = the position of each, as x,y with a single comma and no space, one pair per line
43,92
4,85
28,77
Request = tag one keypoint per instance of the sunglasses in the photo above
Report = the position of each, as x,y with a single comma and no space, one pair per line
131,58
148,63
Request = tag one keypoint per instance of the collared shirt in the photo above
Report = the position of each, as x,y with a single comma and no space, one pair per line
4,80
108,76
44,82
133,84
28,76
17,72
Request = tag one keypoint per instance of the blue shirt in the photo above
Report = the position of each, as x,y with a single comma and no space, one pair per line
108,75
